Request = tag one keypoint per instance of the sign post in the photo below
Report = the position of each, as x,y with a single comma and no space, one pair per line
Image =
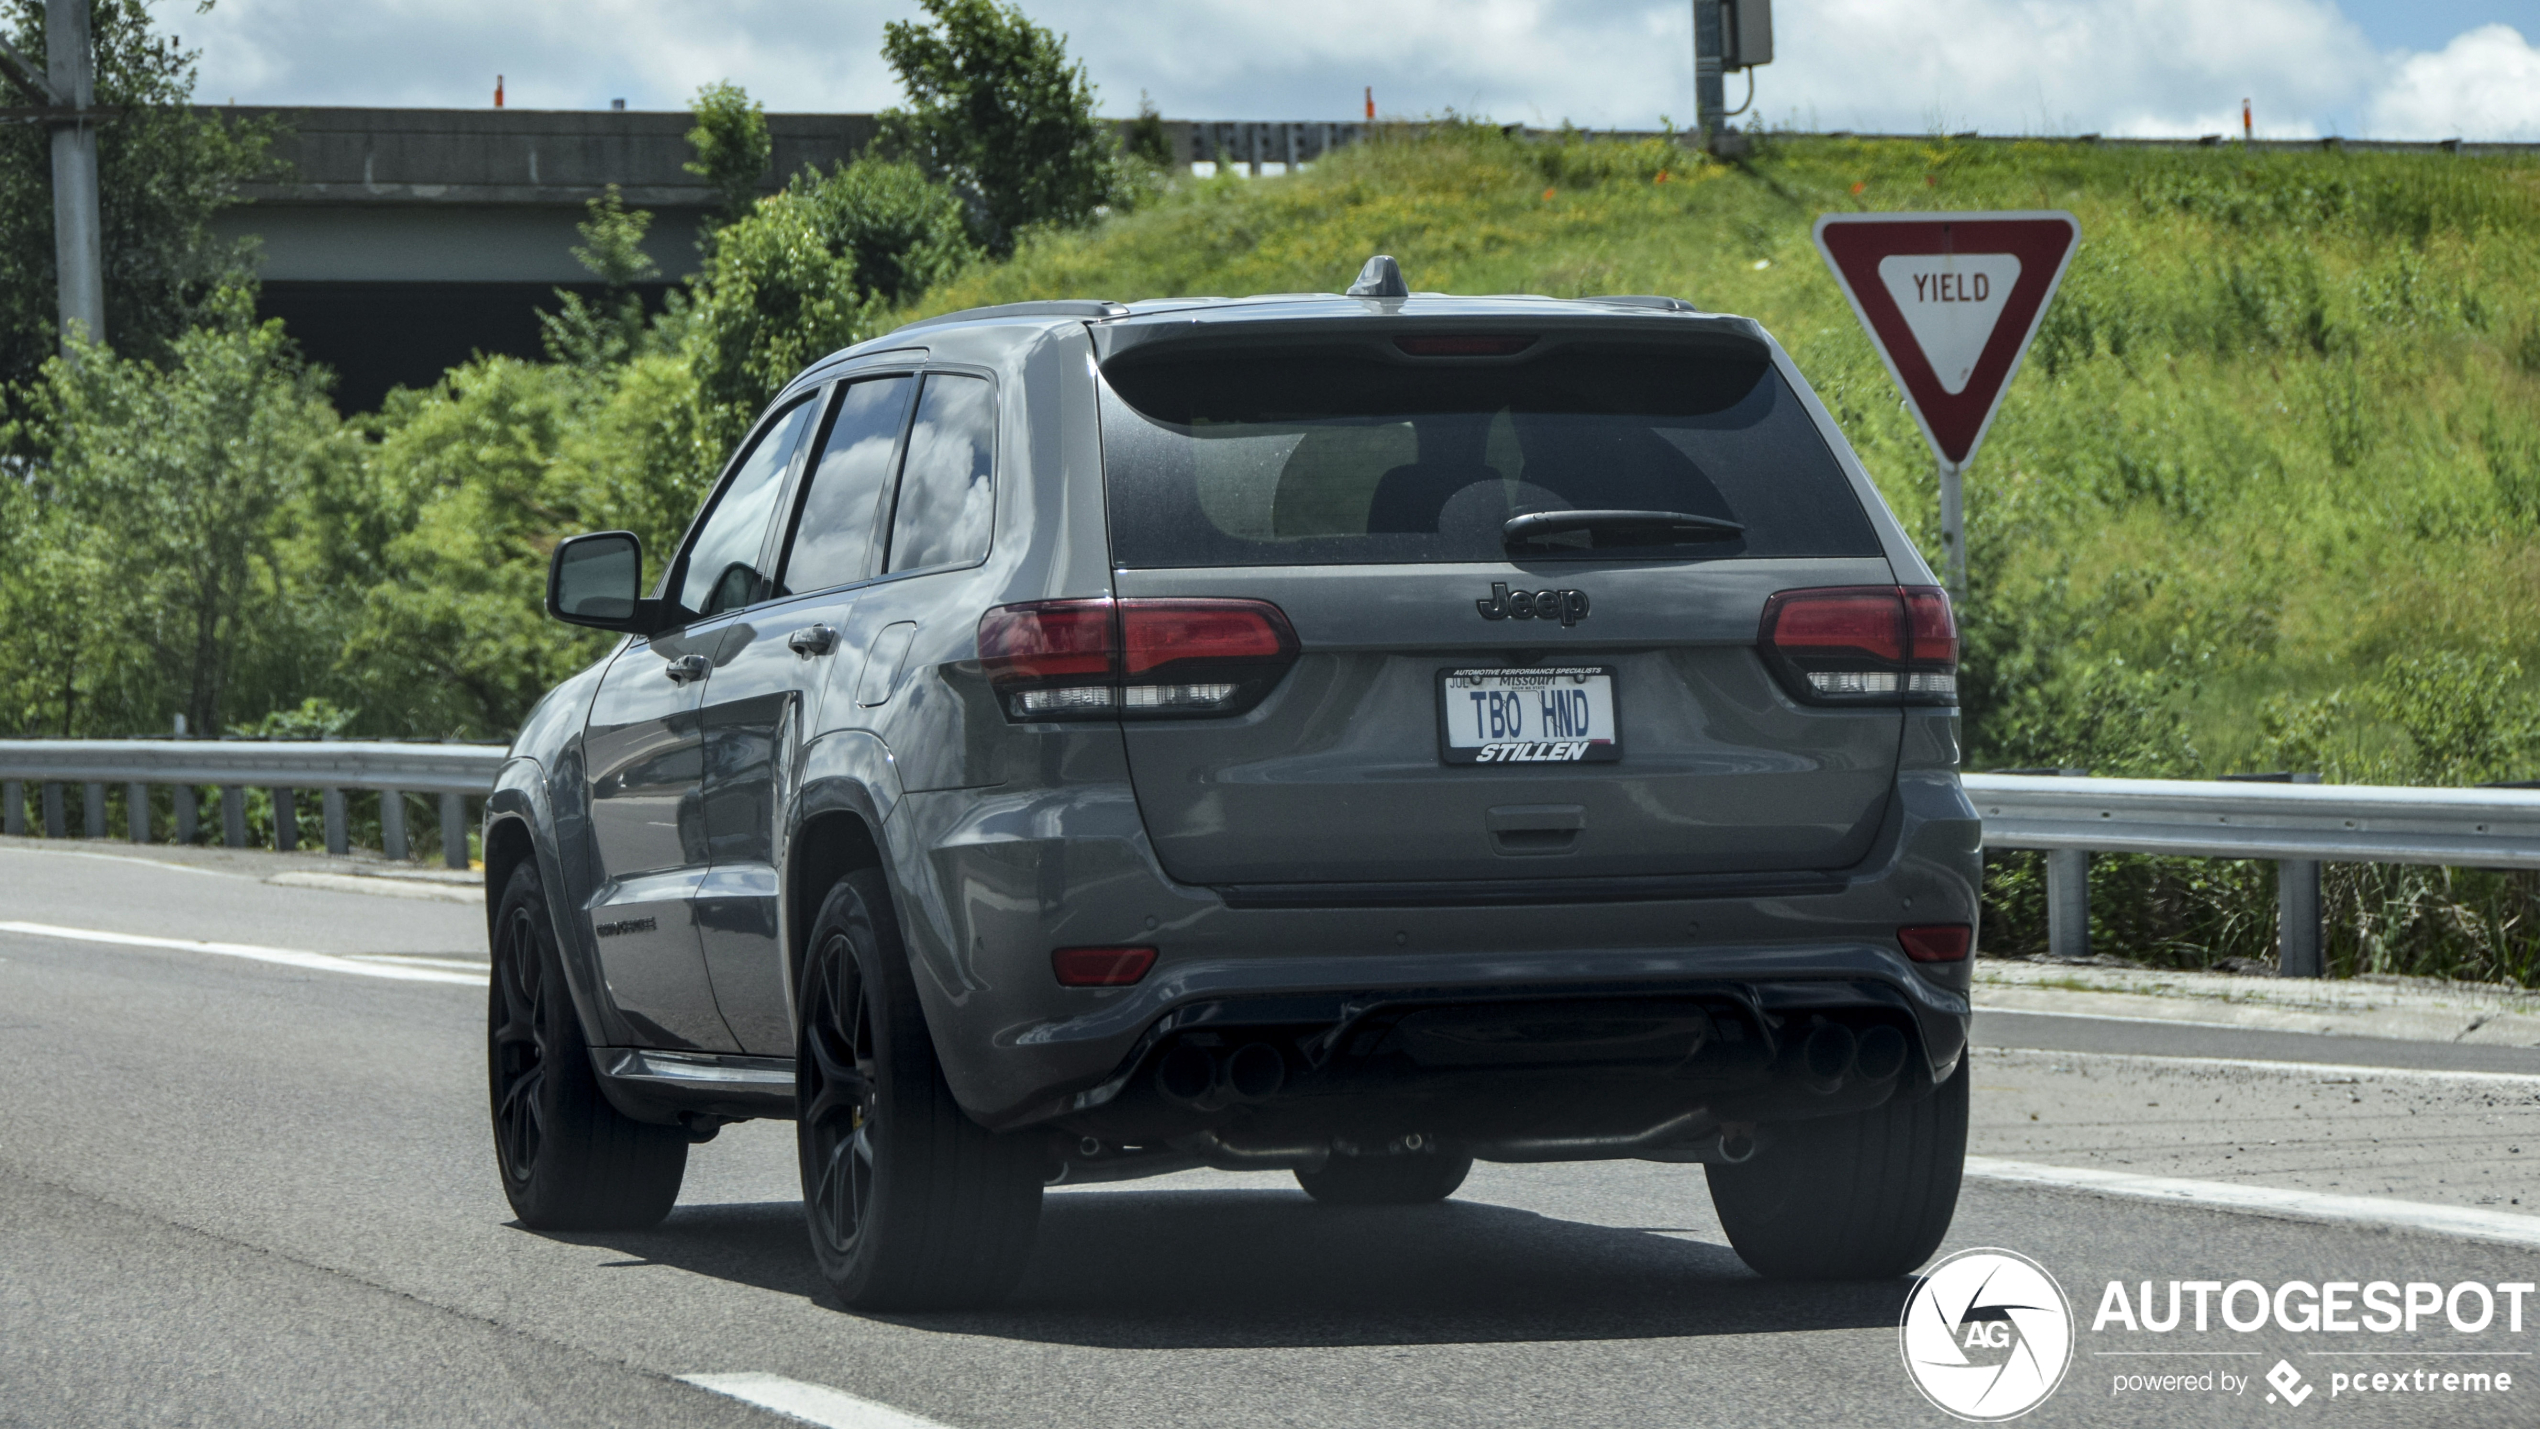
1950,301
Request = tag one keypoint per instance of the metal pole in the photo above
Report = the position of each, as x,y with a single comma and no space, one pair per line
338,840
13,808
1710,97
55,826
2297,913
2068,897
92,811
286,821
136,812
454,830
392,824
1953,529
233,815
78,253
188,824
2068,903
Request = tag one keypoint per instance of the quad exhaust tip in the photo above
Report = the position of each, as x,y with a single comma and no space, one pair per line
1207,1080
1833,1055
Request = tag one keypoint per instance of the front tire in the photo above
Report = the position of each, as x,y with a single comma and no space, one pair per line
569,1160
1865,1196
1386,1180
911,1204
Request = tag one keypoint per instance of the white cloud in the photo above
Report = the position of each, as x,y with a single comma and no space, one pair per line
2133,67
2168,67
2483,85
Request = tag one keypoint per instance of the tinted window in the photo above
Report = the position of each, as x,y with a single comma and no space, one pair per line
947,497
833,535
722,566
1341,459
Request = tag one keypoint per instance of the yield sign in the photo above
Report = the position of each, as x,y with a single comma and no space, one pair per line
1951,300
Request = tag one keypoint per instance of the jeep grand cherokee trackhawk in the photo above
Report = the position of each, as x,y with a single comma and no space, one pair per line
1345,735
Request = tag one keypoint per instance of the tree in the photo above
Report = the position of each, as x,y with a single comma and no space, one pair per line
598,335
904,231
163,173
176,490
995,106
732,144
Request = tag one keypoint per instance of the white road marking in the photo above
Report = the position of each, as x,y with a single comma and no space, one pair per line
810,1403
287,957
2465,1222
127,858
2121,1017
378,886
2527,1080
422,960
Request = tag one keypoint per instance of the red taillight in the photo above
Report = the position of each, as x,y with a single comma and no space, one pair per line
1051,659
1101,967
1937,943
1863,644
1139,659
1933,628
1156,633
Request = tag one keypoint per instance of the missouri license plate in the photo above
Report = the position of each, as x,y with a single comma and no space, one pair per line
1540,715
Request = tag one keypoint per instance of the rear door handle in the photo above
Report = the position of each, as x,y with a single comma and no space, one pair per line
812,640
686,668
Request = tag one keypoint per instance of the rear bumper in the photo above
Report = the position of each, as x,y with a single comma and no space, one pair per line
992,881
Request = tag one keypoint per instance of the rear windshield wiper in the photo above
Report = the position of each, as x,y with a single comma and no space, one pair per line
1617,528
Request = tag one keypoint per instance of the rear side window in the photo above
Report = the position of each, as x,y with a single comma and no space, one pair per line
947,499
1344,459
841,506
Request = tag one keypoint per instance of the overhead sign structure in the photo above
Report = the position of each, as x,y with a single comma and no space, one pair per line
1951,301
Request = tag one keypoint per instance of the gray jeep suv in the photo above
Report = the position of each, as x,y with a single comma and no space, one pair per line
1346,735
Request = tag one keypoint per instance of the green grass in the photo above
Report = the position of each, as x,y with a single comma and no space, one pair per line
2266,494
2280,425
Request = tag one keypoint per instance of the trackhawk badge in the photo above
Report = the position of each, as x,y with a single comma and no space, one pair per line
1567,606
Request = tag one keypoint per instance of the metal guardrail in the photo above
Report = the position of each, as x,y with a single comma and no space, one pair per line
452,771
2300,825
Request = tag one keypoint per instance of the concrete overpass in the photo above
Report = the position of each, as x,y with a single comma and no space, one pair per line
407,239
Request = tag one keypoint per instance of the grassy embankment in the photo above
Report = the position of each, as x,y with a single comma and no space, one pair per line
2266,495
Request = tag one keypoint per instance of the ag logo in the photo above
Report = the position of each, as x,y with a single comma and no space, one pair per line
1987,1335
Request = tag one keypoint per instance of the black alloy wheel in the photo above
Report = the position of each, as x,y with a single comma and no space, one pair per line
911,1204
834,1075
569,1160
519,1006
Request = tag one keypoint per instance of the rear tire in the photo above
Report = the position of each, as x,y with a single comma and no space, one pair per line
1386,1180
911,1204
569,1160
1860,1197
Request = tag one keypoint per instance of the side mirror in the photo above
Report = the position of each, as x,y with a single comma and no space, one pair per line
597,580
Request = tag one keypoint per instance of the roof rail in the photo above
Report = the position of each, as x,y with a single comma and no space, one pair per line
1647,300
1088,308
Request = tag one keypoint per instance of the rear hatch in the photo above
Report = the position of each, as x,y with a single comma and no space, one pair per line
1574,702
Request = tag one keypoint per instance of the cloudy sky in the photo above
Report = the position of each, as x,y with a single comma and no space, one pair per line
2415,69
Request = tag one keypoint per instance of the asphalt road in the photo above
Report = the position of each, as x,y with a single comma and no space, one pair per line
239,1191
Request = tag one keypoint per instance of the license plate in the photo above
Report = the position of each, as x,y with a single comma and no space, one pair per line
1538,715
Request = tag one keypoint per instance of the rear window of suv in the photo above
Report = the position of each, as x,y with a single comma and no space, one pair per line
1346,458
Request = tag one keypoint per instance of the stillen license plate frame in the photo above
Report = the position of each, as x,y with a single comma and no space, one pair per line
1565,750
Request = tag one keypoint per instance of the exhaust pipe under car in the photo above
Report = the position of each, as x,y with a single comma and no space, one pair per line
1825,1059
1204,1079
